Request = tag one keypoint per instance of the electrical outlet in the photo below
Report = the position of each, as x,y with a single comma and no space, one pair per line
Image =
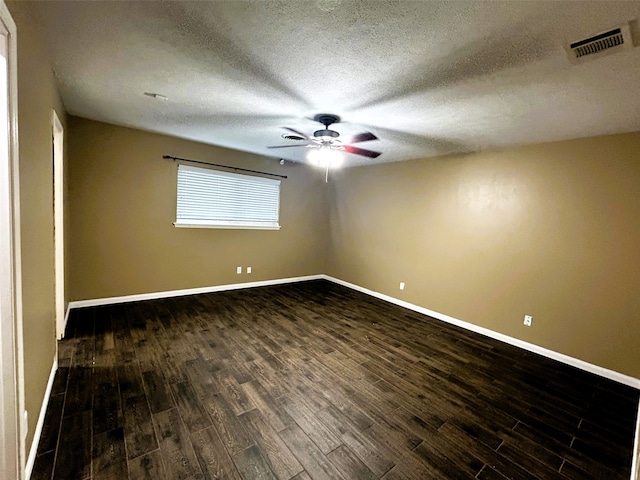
401,285
239,270
248,269
527,320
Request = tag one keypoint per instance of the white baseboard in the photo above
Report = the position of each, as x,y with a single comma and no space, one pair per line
43,411
188,291
574,362
66,318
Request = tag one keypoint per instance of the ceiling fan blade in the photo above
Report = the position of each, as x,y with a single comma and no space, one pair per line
361,151
297,132
363,137
289,146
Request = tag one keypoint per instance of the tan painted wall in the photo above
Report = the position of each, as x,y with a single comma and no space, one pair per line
37,95
123,203
548,230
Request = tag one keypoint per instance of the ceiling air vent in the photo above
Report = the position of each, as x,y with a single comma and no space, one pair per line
290,136
599,45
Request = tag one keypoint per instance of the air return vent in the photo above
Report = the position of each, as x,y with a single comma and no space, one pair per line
599,45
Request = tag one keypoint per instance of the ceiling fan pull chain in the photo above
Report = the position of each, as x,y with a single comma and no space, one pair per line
326,174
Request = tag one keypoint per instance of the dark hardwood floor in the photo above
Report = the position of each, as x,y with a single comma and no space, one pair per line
315,381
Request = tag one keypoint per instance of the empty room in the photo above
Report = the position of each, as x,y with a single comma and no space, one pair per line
320,239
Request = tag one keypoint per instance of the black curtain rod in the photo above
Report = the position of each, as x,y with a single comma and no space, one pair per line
169,157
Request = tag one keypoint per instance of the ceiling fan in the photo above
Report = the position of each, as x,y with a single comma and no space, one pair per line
326,139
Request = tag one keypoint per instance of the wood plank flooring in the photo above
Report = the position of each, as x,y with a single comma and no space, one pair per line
316,381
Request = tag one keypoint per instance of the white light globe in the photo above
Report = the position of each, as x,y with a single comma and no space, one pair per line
323,157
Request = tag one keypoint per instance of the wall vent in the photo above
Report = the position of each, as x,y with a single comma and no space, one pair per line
599,45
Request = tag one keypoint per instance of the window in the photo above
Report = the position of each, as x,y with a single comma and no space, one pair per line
214,199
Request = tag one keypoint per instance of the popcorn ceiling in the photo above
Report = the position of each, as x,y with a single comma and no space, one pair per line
428,78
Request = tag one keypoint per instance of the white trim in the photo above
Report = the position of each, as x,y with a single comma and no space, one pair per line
228,227
574,362
43,412
189,291
66,319
57,131
635,464
12,398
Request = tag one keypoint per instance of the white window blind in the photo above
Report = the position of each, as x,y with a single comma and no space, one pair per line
211,198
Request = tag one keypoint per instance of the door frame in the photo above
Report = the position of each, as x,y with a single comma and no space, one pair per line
13,426
57,131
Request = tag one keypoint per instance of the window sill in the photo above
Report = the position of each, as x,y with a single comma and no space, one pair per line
226,227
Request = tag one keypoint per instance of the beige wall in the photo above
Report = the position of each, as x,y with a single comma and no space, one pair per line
548,230
37,96
123,202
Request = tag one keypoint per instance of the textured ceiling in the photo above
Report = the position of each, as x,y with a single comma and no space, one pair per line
428,78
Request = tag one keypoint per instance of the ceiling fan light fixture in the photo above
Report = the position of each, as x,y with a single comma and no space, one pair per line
326,134
327,139
325,157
